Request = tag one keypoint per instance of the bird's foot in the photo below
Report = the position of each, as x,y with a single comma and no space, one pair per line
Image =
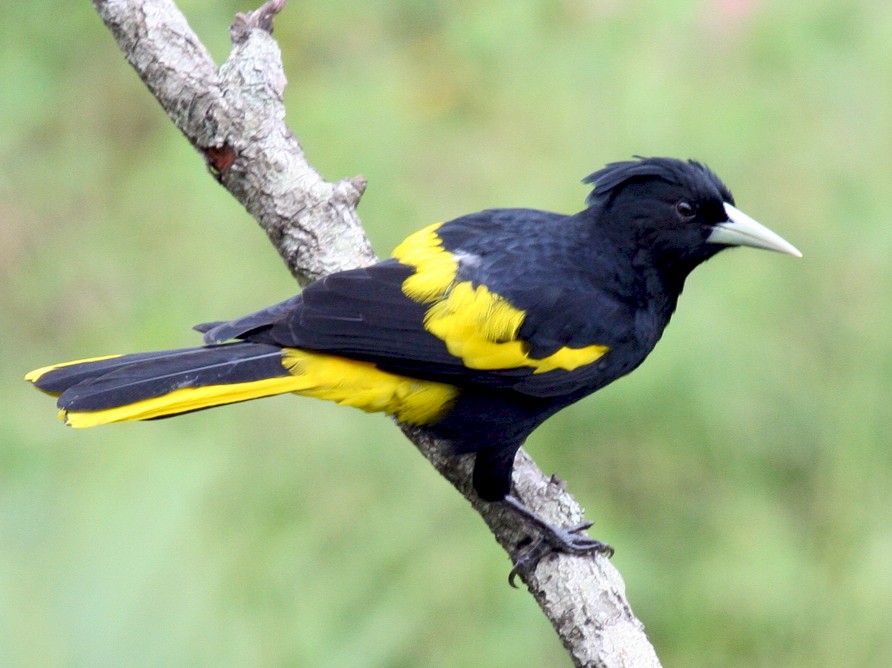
568,540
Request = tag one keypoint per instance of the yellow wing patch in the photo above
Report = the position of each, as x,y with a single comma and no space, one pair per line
478,326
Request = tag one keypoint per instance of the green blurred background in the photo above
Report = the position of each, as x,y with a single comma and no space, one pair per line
743,474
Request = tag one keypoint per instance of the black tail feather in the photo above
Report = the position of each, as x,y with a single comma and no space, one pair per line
117,381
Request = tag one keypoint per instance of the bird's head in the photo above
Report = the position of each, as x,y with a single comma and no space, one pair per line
678,211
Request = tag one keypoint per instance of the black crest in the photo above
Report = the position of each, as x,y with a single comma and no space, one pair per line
689,173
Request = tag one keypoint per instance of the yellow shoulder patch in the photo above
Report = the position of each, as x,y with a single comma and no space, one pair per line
478,326
481,328
435,267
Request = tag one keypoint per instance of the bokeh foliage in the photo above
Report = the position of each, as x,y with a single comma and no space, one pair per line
744,473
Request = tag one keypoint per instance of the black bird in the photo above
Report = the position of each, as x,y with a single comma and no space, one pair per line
477,329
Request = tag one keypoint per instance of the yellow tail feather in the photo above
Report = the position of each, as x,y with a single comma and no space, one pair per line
181,401
34,376
347,382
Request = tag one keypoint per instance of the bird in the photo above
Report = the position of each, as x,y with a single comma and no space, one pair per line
475,330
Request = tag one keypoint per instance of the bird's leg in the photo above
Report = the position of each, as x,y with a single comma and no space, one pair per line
551,538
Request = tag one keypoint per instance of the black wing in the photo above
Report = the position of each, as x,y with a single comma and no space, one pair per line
430,314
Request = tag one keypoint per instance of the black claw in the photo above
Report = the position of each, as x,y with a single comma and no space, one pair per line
527,561
563,540
552,539
569,540
581,527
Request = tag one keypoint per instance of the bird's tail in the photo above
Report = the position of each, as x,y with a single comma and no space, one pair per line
148,386
145,386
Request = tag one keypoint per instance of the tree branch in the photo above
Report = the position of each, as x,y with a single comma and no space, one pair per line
234,117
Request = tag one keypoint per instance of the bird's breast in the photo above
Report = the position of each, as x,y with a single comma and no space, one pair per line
649,325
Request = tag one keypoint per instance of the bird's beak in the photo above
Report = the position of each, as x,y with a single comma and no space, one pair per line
741,230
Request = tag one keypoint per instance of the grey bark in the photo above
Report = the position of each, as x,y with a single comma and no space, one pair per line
234,117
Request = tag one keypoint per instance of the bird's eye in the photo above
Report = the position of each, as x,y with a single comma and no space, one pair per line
685,209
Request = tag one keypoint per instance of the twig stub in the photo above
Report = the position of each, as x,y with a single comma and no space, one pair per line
260,19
